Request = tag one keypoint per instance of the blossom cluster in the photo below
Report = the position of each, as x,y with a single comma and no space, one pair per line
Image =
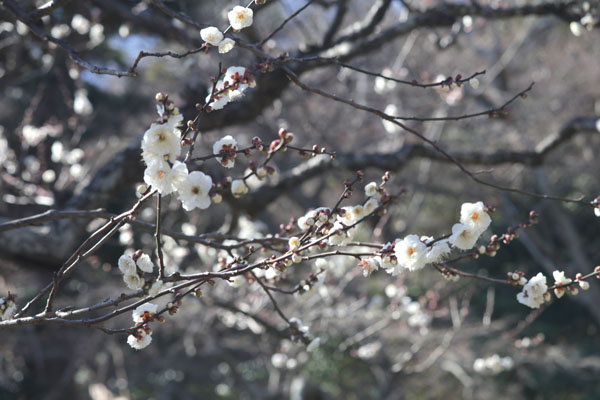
133,267
536,292
231,87
142,336
412,252
239,18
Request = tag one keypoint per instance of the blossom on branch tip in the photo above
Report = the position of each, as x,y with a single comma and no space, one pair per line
211,35
240,17
533,292
145,263
371,189
194,190
475,217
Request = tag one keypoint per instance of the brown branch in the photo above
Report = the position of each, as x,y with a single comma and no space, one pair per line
176,14
433,144
22,16
284,23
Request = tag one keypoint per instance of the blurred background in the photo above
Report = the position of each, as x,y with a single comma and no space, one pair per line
69,139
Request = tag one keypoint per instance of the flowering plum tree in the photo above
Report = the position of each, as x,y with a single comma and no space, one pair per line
213,222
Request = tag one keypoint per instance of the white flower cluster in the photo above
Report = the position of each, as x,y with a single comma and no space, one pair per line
493,365
213,36
413,252
161,146
133,269
535,292
142,336
474,220
239,18
8,308
230,87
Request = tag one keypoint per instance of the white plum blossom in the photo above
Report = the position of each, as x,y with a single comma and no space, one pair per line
140,311
218,102
194,190
370,205
226,45
410,253
357,213
211,35
161,141
340,238
133,281
437,251
462,237
294,243
162,177
174,122
240,17
155,288
145,263
371,189
474,82
127,265
474,217
238,188
597,211
226,147
533,292
559,280
321,264
231,87
368,265
139,343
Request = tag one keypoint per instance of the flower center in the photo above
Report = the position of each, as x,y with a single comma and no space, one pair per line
475,216
196,190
